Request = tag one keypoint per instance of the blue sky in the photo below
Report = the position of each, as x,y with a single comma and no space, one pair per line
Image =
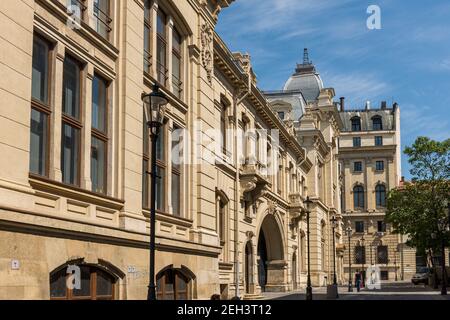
407,61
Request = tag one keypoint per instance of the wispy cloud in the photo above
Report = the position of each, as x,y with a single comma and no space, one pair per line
423,120
357,87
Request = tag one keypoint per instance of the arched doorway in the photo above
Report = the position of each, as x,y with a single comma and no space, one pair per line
294,271
271,264
262,262
249,267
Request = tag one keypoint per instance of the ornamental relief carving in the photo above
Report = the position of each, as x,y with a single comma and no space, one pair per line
207,36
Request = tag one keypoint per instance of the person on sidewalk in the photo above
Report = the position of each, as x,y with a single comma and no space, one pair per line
358,281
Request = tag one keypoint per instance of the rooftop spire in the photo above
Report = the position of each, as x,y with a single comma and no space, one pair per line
306,57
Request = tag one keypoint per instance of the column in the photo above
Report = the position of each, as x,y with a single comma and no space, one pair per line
85,155
57,87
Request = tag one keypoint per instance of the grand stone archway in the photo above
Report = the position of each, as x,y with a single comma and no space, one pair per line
271,264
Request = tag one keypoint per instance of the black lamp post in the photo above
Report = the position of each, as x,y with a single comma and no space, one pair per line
334,223
363,258
154,109
309,295
349,234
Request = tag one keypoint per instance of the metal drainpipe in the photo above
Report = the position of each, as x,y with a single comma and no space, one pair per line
237,183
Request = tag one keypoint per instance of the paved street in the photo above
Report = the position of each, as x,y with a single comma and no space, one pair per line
389,291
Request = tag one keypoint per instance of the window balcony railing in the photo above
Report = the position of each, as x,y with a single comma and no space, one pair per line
161,73
177,86
103,22
78,8
147,61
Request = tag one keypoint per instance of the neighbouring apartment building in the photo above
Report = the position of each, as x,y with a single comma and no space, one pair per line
370,166
234,164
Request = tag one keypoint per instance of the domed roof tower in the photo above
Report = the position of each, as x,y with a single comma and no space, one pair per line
305,79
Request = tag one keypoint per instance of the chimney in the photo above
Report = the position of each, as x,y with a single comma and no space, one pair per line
367,105
383,105
342,99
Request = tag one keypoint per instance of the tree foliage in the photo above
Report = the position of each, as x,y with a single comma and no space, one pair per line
420,209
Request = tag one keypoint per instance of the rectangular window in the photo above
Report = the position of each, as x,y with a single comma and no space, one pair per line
384,275
357,142
176,171
145,166
359,226
381,226
382,254
71,88
40,72
161,171
357,166
38,142
360,254
160,188
161,47
98,165
379,165
103,19
99,134
147,36
378,141
40,108
281,115
71,124
176,64
70,150
223,127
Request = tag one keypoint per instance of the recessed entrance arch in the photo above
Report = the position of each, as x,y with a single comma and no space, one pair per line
271,263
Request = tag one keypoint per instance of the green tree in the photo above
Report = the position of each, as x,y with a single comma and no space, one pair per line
420,209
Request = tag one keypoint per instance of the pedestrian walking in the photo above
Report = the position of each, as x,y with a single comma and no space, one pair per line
358,281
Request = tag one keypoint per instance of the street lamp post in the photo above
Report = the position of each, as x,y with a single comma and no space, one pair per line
363,258
350,285
154,110
309,295
334,226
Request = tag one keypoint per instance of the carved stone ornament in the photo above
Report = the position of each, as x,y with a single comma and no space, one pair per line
207,35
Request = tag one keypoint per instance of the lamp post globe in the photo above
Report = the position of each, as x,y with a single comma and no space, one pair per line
154,110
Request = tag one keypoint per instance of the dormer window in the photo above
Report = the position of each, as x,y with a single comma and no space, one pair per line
356,124
377,123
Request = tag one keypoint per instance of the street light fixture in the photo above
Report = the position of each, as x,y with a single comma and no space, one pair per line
309,295
349,234
154,109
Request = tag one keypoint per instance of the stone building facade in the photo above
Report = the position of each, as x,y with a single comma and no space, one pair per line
370,166
235,164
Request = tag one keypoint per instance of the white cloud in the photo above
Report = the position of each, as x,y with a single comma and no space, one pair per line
356,87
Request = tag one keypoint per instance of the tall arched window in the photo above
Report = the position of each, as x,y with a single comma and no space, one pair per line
358,197
95,283
377,123
380,191
356,124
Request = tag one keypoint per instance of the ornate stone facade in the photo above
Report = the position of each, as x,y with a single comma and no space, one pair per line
230,220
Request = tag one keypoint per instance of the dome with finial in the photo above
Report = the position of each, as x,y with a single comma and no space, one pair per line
305,79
